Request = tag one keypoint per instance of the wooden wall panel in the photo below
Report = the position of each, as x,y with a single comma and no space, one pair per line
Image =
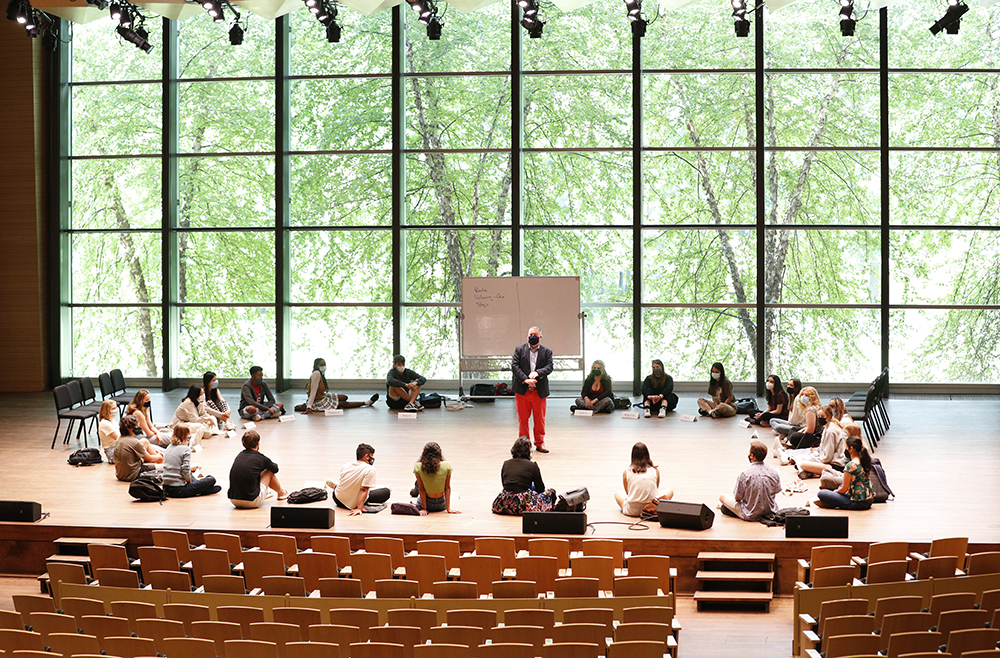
23,202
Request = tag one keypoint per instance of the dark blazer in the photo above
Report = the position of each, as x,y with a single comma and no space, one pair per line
521,365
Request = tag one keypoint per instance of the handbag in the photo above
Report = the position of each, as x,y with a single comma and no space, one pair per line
307,495
623,403
407,509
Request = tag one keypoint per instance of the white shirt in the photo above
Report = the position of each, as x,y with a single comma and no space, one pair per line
642,488
353,476
533,358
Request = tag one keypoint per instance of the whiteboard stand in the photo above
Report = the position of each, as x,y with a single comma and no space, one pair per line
501,363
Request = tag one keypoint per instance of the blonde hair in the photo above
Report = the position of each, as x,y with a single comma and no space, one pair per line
180,435
852,429
106,407
810,394
839,408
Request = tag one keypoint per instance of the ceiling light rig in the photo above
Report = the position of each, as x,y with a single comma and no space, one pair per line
130,24
428,15
848,19
636,17
530,20
741,24
952,18
35,22
326,12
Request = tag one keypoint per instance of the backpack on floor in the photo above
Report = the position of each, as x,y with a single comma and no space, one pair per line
86,457
879,483
307,495
746,406
623,403
147,490
431,400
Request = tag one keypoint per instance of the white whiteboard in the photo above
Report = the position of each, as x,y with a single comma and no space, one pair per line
498,311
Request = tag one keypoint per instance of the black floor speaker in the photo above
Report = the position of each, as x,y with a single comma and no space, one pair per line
302,517
823,527
556,523
20,510
690,516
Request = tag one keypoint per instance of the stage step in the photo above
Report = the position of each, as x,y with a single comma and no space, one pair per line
734,578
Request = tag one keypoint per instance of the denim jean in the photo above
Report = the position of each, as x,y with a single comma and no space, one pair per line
841,501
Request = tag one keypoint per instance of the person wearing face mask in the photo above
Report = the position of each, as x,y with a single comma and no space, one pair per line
356,486
658,392
811,431
722,404
140,407
796,411
215,405
132,453
320,397
777,404
596,394
107,428
191,414
402,386
830,451
532,364
755,489
256,399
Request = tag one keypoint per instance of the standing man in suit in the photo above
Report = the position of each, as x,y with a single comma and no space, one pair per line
532,365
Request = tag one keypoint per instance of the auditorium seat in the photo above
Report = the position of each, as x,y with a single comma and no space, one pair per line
984,563
586,633
391,546
343,636
226,542
360,617
218,632
517,589
377,650
72,644
505,650
275,633
637,586
947,602
78,607
186,613
301,617
572,650
210,562
442,651
483,570
422,618
915,642
544,617
407,636
469,636
11,619
12,639
340,588
47,623
129,647
224,584
455,589
484,619
576,587
312,650
370,567
175,539
117,578
103,627
159,630
240,614
313,566
188,647
613,548
284,585
635,649
603,616
284,544
530,635
653,565
178,581
339,546
501,547
157,558
257,564
596,566
133,611
449,549
890,571
823,556
551,547
543,570
426,570
893,604
28,603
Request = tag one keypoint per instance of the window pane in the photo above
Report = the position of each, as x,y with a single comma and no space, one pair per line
824,345
222,117
235,267
608,337
365,45
601,258
458,188
116,268
826,109
594,37
430,342
117,120
944,267
823,267
226,192
341,266
577,111
341,114
341,190
458,112
944,188
578,188
690,340
436,261
697,266
699,110
116,58
476,41
355,342
209,334
912,47
99,335
674,188
118,194
824,187
919,339
205,51
807,35
942,109
697,36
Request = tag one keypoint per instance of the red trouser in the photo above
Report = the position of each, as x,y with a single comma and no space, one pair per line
529,404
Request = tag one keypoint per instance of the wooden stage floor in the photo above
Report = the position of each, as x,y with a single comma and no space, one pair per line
943,471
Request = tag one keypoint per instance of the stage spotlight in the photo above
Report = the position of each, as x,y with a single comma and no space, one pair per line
23,15
952,18
137,37
428,15
434,30
741,24
530,19
235,35
848,19
635,16
13,10
333,33
50,38
100,4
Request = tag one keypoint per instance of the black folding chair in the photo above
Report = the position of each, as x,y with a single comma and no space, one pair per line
65,411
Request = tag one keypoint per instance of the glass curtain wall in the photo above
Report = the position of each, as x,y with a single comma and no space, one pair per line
286,240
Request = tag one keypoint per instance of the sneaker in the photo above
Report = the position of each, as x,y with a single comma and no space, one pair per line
331,484
410,407
419,406
646,413
703,412
784,459
572,408
371,400
662,414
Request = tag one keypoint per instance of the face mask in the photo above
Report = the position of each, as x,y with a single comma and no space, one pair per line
533,340
322,368
803,400
820,421
770,386
114,413
258,380
657,372
716,375
400,369
201,400
595,373
215,384
147,404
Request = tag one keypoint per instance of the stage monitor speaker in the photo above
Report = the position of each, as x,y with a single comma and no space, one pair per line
302,517
690,516
556,523
20,510
822,527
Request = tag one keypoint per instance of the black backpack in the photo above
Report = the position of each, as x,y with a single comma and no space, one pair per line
87,457
879,483
307,495
431,400
147,490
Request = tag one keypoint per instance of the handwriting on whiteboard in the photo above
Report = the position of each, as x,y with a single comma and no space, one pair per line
483,297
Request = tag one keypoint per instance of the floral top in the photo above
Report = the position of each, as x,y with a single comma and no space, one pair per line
861,485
